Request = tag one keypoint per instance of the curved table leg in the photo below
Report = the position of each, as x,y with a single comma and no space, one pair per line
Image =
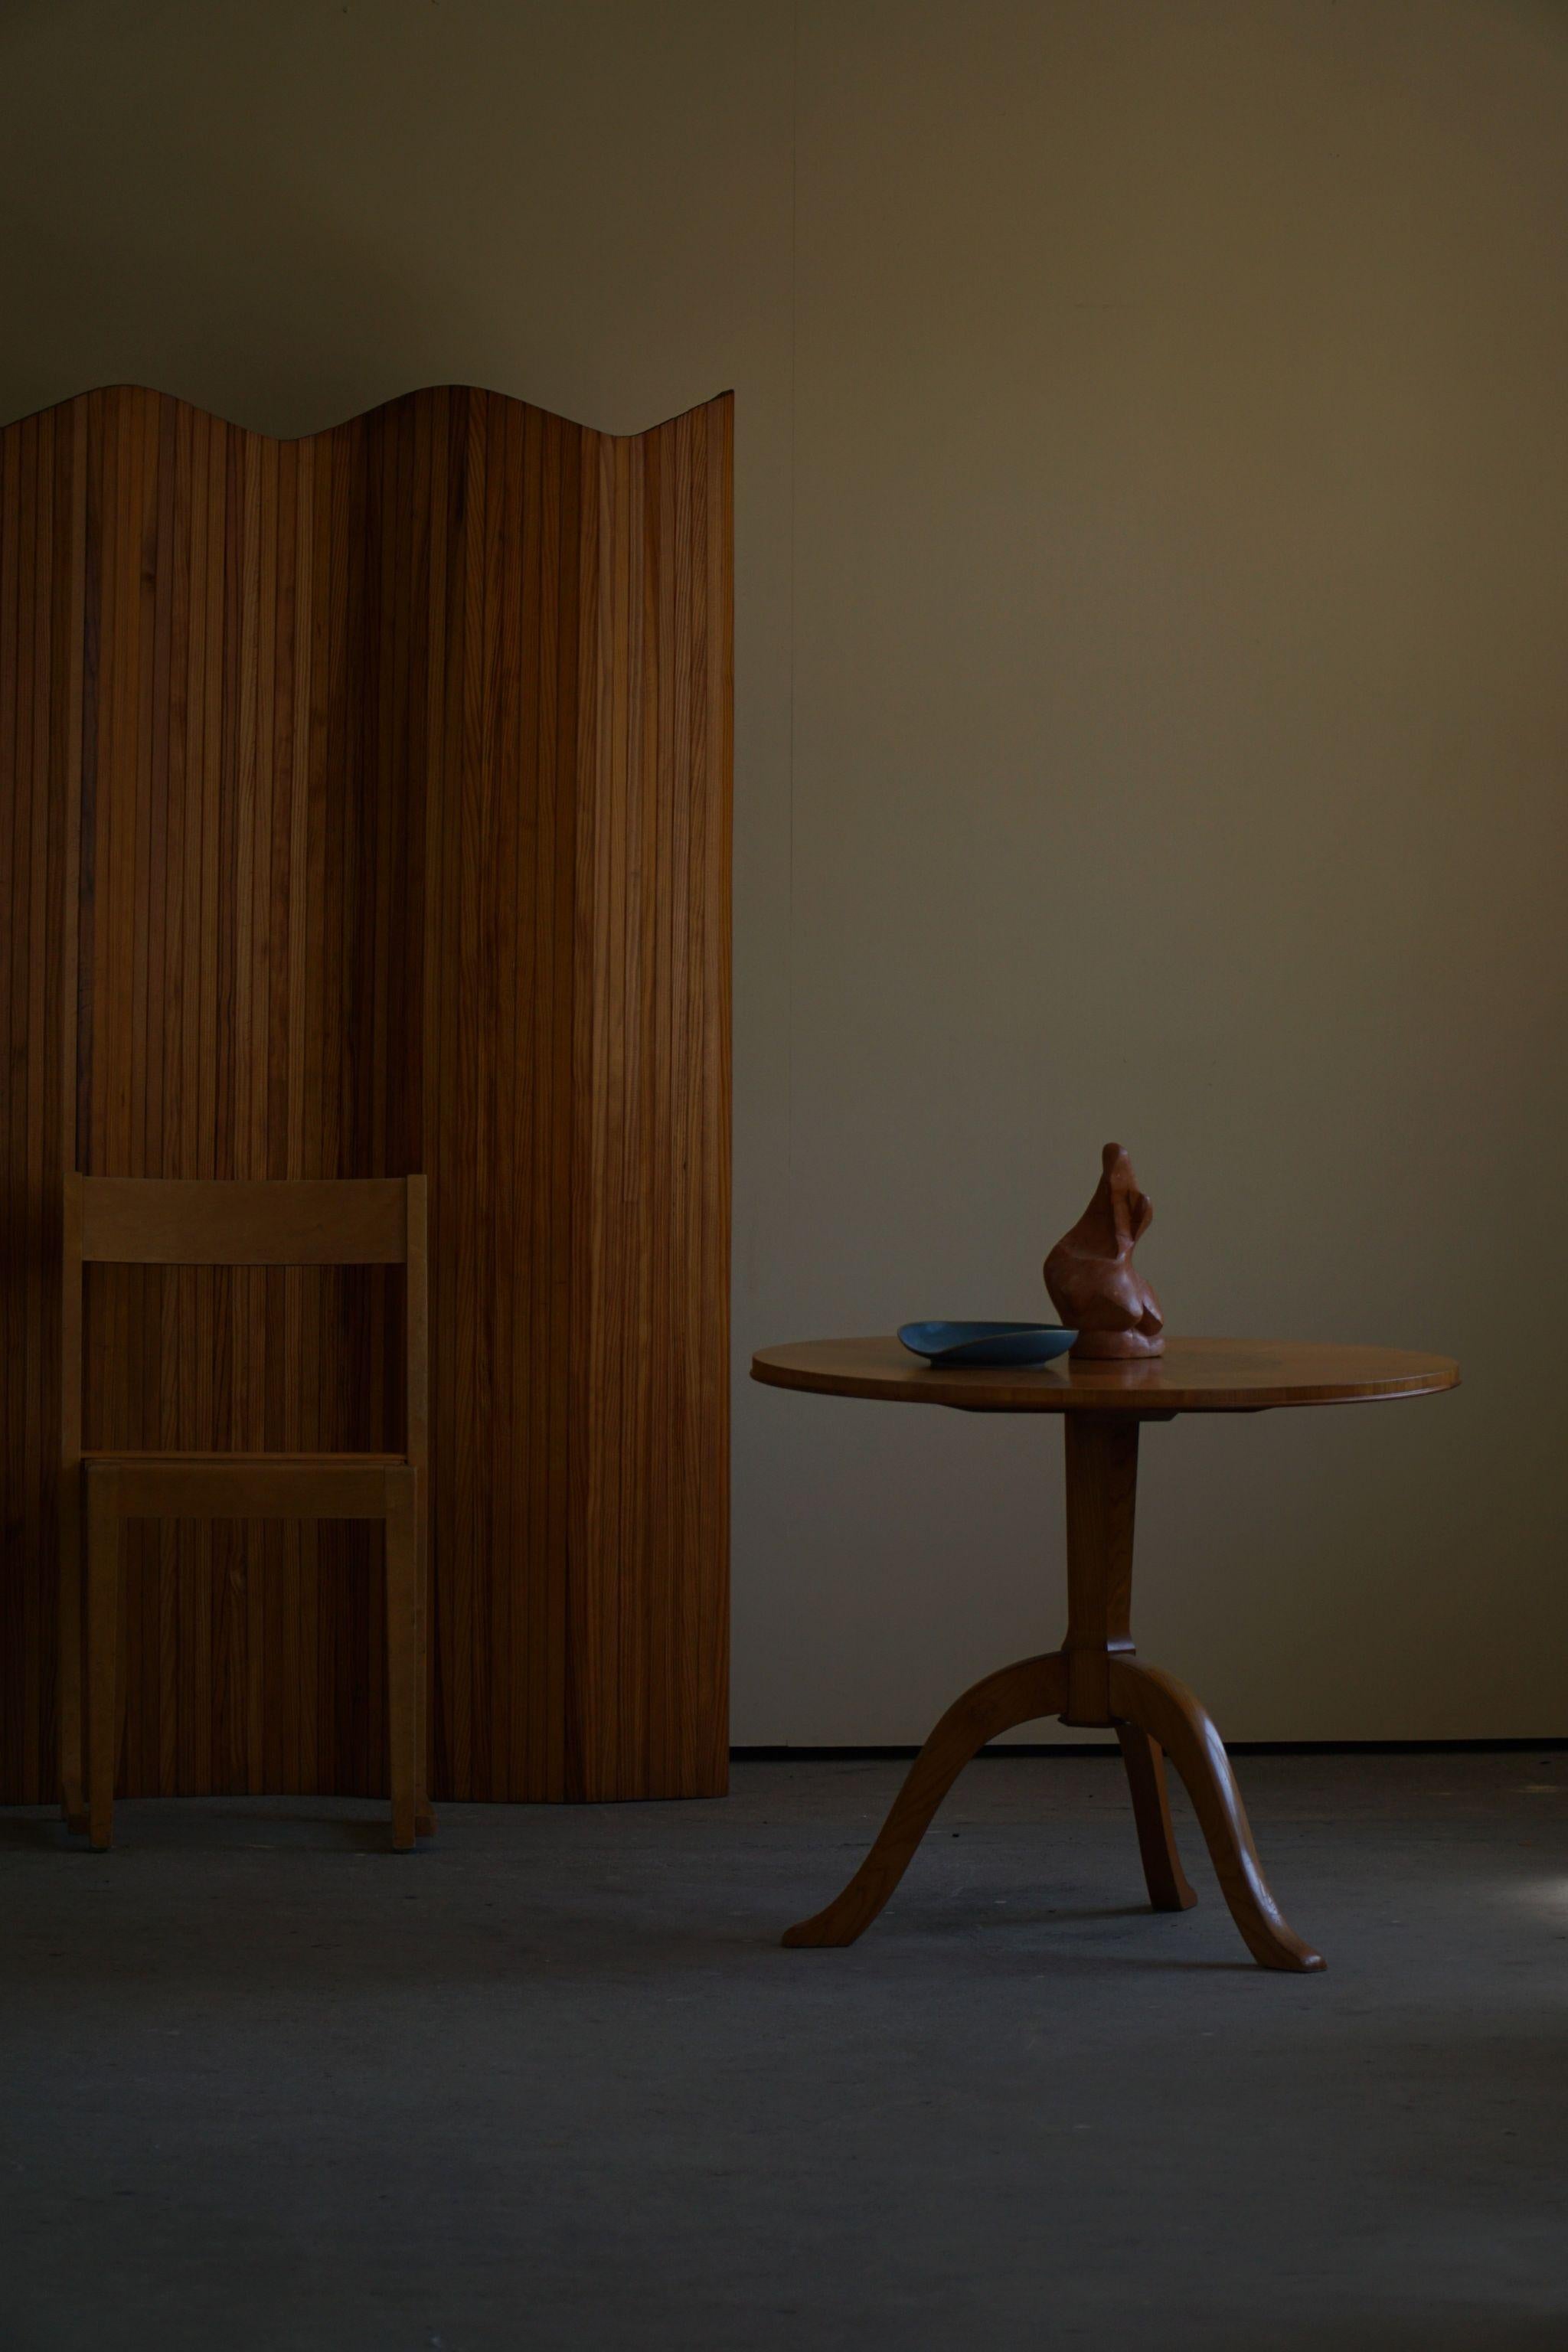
1016,1694
1169,1713
1162,1872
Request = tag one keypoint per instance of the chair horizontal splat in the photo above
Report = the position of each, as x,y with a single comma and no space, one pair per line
172,1220
238,1488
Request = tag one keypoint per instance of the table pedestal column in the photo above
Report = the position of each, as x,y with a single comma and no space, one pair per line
1094,1679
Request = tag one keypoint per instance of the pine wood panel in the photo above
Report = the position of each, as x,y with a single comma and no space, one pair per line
368,794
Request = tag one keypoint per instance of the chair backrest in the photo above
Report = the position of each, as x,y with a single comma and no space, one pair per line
174,1220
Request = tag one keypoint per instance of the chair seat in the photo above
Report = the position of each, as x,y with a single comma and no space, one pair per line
247,1485
131,1457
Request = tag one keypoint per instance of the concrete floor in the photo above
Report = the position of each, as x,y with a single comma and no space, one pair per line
551,2082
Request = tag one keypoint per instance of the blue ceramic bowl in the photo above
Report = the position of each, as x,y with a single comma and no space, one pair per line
1018,1344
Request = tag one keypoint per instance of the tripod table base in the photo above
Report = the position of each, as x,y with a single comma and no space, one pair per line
1155,1718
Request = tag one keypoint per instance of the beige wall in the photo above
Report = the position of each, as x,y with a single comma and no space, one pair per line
1153,539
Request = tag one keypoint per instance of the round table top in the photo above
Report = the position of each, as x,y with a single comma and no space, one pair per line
1192,1376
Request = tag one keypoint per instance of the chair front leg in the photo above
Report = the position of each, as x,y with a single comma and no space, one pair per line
403,1709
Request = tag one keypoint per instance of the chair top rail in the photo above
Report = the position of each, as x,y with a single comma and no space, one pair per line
176,1221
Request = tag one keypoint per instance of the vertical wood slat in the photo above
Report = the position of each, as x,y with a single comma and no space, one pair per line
368,796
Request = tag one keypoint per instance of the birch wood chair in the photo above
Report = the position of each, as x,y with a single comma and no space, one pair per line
127,1221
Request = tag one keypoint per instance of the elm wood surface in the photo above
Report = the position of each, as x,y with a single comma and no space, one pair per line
1192,1376
371,792
1095,1677
131,1220
1169,1889
169,1220
1090,1278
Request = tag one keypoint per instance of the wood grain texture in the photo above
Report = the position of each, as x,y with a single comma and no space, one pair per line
1101,1508
141,1220
364,807
1014,1694
1094,1677
1168,1885
1166,1710
1192,1376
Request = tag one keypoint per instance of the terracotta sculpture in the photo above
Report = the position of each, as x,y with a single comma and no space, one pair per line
1092,1281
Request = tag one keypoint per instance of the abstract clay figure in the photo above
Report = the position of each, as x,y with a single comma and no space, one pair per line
1093,1284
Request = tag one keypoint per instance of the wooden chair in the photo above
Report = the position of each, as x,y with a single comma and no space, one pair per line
130,1221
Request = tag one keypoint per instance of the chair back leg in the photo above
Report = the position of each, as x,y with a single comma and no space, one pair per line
73,1802
102,1656
424,1812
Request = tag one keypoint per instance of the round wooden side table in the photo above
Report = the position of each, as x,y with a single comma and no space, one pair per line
1096,1678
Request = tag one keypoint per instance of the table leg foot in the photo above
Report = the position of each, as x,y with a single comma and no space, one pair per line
1036,1686
1162,1872
1170,1715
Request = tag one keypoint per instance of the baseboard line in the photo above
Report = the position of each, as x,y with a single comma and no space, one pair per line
1550,1746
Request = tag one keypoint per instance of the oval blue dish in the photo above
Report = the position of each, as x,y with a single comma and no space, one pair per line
987,1343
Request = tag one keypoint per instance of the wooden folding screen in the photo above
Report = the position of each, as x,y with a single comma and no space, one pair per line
364,806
